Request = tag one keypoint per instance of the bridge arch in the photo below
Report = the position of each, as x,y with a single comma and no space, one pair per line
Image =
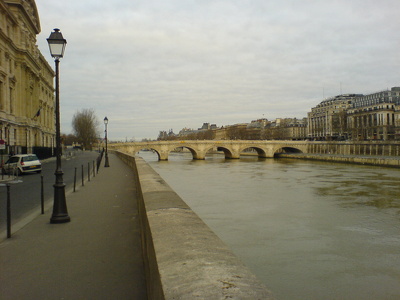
149,148
228,153
287,149
231,148
260,151
193,151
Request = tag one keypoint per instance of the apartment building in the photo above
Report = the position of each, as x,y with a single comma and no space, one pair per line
27,103
375,116
328,120
357,117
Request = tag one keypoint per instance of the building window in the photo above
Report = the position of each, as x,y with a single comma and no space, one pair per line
1,96
11,101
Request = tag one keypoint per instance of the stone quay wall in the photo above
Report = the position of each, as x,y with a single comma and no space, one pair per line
360,148
385,161
184,259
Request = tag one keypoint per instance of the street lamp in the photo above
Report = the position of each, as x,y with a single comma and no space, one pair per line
106,164
60,213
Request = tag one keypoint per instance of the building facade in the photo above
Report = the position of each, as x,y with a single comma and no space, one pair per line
328,120
375,116
27,122
357,117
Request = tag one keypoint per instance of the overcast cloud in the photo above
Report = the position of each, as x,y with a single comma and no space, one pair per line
156,65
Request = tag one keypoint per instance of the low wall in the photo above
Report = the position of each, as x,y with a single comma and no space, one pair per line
353,159
184,259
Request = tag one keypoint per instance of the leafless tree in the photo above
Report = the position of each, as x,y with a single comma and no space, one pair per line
236,133
68,139
86,127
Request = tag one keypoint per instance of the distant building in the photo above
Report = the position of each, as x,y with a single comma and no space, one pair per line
397,122
163,135
375,116
27,122
328,120
186,131
259,123
220,133
207,126
286,129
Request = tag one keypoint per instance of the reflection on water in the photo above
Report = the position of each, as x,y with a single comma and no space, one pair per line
372,188
308,230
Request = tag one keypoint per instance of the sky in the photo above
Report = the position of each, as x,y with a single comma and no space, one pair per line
152,65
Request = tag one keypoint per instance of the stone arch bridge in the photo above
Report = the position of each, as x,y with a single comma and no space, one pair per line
199,148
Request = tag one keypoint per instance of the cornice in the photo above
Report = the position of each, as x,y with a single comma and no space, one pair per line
31,16
9,13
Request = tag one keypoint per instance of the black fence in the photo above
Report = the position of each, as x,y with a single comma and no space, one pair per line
43,152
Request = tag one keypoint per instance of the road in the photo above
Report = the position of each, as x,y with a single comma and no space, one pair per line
26,194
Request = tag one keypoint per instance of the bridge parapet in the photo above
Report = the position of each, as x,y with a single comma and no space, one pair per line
232,149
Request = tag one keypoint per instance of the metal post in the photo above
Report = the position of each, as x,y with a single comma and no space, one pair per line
88,171
60,212
41,194
8,212
106,164
94,170
2,165
75,180
82,177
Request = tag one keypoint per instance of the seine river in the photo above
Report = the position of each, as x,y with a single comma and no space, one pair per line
308,230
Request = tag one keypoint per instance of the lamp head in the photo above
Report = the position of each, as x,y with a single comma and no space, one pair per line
56,44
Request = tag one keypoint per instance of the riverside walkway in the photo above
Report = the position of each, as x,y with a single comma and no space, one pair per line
95,256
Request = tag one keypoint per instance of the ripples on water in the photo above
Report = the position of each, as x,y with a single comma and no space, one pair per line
308,230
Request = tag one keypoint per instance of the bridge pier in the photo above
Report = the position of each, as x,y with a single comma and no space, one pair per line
198,155
269,153
163,155
265,156
199,158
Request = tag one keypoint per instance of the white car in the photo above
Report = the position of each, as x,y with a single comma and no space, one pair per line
23,163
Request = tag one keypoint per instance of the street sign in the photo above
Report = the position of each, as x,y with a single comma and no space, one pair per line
2,144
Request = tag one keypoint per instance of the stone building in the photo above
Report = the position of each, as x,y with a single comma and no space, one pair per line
328,120
375,116
27,122
397,122
286,129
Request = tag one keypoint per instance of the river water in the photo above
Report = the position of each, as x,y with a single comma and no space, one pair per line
308,230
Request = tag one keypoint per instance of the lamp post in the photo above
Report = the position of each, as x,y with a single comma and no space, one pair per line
60,213
106,164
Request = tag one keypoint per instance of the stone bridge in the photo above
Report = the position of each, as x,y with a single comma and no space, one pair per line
199,148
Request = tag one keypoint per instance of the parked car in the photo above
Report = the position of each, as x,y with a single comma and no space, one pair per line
23,163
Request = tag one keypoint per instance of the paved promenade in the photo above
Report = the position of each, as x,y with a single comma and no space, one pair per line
95,256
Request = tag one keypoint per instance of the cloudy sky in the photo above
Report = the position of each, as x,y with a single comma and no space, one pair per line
151,65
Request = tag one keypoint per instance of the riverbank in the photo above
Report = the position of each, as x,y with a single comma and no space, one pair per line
184,259
337,221
386,161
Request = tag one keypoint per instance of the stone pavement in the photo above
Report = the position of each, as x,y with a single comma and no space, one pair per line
95,256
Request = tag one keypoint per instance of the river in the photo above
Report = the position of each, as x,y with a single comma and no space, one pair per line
307,229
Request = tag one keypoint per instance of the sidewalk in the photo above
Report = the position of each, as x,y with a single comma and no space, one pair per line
95,256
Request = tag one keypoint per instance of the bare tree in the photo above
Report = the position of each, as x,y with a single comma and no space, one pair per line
68,139
339,124
85,126
237,133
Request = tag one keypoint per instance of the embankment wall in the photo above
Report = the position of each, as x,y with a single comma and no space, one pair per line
184,259
352,159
